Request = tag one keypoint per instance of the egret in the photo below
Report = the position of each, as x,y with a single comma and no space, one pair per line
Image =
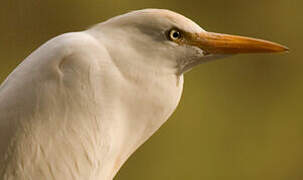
83,102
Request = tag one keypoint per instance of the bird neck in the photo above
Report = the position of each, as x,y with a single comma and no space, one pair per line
148,98
87,129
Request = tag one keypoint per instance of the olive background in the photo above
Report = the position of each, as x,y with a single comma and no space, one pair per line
239,117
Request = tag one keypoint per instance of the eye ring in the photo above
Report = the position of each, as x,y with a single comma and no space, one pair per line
174,34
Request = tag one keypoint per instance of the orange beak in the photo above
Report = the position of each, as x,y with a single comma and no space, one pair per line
216,43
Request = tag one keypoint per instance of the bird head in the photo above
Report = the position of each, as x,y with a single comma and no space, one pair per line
166,38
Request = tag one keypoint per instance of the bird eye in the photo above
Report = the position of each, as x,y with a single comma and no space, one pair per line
174,34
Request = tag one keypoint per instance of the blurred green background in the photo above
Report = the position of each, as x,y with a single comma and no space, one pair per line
239,118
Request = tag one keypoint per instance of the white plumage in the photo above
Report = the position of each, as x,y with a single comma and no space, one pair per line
81,104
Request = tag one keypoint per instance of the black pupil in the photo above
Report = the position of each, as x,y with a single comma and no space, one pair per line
176,34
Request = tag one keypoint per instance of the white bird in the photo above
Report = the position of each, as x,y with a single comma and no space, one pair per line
83,102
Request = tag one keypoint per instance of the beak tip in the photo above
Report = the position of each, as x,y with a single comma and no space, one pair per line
283,49
286,49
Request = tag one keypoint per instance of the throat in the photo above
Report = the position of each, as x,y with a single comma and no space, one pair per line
93,139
